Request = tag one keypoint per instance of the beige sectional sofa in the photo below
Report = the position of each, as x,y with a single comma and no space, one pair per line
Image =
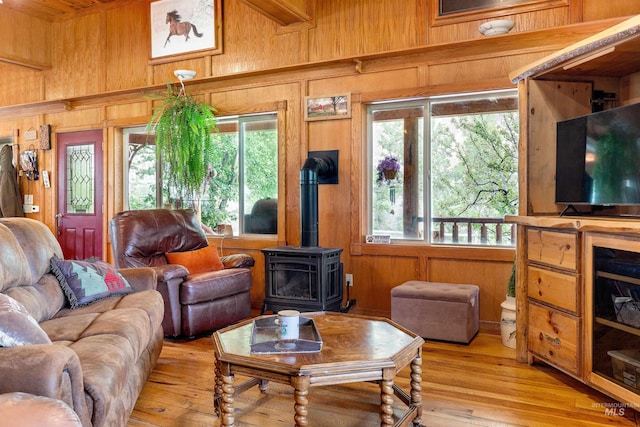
95,357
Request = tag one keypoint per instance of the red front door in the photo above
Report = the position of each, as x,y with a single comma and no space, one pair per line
79,218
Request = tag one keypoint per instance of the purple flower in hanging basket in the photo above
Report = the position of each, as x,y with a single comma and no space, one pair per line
388,163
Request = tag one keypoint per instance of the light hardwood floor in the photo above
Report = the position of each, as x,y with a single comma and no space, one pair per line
476,385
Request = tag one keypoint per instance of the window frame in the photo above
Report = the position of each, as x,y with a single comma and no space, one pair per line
278,109
427,102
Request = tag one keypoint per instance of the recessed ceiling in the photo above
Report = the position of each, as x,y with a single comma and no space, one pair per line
52,9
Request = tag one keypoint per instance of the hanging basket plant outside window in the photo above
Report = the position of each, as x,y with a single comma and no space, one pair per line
388,169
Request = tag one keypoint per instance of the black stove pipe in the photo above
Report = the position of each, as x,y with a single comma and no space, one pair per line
312,167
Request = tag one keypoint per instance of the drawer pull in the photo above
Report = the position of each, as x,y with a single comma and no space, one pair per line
555,342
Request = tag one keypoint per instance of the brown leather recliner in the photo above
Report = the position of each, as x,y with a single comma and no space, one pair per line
194,303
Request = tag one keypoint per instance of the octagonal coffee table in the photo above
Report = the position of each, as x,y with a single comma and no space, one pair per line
354,349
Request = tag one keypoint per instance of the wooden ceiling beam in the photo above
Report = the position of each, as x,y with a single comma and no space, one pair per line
284,12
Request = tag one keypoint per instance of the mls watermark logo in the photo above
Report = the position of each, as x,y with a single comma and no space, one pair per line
615,409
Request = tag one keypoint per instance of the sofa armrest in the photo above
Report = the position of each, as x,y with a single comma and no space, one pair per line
140,279
238,261
29,410
48,370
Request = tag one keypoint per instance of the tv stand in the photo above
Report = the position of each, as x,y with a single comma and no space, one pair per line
568,317
570,210
594,210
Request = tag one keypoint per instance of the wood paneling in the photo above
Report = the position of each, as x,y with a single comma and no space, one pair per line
128,44
491,277
547,18
54,9
78,58
375,276
570,99
593,9
29,44
364,26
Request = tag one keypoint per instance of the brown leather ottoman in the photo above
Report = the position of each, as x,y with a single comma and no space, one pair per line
437,311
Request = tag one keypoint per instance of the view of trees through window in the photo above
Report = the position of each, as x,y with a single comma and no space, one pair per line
242,171
470,144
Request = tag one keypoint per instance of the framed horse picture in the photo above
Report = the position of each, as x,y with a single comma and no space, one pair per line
184,29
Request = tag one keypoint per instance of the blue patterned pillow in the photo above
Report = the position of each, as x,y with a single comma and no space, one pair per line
84,282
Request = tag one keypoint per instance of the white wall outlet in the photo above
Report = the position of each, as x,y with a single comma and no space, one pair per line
348,279
28,199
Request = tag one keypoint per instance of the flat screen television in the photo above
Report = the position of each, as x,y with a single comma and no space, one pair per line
598,158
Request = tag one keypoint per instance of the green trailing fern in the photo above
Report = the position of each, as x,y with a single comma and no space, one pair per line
183,130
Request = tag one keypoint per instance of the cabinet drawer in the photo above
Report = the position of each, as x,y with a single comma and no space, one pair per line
554,288
552,248
553,336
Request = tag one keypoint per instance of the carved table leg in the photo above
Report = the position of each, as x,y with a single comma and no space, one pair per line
217,389
416,388
226,405
386,407
300,394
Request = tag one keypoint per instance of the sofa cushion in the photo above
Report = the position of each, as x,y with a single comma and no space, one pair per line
17,326
14,269
43,300
198,261
84,282
37,242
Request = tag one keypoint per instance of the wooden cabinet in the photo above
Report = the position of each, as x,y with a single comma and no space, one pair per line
554,337
568,314
565,311
554,315
612,327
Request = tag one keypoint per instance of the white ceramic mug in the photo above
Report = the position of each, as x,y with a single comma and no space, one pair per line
289,321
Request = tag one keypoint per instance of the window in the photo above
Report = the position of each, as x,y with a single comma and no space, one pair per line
456,164
243,186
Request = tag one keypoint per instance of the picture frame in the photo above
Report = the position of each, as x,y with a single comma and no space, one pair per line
447,12
327,107
184,29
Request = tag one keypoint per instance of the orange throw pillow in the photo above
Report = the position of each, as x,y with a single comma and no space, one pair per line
198,261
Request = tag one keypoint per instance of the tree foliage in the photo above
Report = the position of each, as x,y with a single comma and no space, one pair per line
473,168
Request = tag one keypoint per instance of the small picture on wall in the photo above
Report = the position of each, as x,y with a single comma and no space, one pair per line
182,29
327,107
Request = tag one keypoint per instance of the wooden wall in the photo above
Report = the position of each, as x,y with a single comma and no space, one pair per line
373,49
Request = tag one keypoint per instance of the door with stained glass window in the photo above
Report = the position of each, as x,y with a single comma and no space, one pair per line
79,217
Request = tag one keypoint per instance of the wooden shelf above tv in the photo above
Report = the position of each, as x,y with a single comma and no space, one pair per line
614,52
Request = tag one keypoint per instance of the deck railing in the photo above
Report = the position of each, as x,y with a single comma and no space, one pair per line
473,231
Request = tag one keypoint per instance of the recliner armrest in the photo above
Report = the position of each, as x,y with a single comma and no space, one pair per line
168,272
238,261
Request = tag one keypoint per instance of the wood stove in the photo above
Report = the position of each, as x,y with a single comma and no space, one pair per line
306,277
302,278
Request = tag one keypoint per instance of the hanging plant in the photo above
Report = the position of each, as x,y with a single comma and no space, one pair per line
387,169
183,128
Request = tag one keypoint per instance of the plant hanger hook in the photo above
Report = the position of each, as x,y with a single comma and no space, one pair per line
183,75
